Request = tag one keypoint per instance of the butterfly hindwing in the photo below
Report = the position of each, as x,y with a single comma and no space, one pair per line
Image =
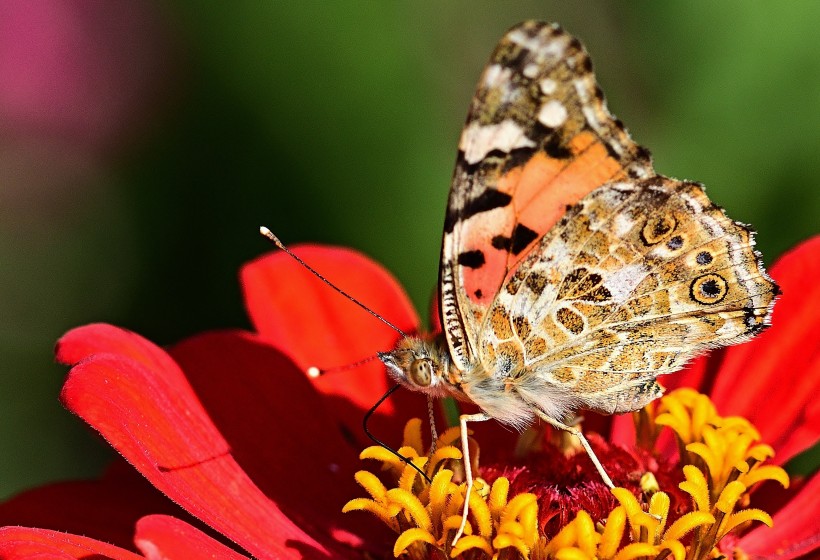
635,280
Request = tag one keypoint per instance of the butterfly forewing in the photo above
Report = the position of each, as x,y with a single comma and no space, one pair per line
538,137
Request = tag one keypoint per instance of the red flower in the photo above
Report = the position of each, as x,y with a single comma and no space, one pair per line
266,470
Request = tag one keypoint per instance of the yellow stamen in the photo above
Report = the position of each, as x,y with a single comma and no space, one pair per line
408,476
765,472
659,508
438,494
588,538
412,435
721,460
363,504
565,538
729,496
371,483
688,522
470,541
409,537
636,550
696,486
444,454
613,533
481,513
453,522
412,505
498,496
572,553
381,454
510,541
744,516
675,548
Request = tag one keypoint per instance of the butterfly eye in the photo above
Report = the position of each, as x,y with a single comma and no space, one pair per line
420,373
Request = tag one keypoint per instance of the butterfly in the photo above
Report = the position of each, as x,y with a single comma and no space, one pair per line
572,275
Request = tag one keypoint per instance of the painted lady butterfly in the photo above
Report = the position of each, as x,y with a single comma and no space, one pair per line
572,275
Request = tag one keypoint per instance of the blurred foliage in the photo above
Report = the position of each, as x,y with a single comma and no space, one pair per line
336,122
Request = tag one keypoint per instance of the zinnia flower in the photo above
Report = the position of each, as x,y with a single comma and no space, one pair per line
246,456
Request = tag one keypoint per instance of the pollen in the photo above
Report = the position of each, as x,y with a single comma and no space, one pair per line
721,459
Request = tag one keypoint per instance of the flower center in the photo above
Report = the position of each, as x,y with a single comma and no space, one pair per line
567,483
553,505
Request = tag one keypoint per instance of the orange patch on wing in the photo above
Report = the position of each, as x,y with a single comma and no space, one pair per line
541,190
544,186
481,284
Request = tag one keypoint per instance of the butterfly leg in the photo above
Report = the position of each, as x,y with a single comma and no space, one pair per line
468,471
577,433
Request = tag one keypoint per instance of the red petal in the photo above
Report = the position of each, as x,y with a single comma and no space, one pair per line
99,338
773,380
796,531
315,325
280,432
106,509
435,314
154,419
24,543
697,374
161,536
622,430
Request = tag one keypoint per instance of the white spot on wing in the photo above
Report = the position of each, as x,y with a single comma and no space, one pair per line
582,89
495,75
552,114
548,86
522,39
691,200
478,140
623,224
622,282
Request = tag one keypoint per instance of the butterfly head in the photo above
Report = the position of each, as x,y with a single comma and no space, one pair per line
417,364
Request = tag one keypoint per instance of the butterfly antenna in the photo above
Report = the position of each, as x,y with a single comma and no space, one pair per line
380,443
275,240
314,372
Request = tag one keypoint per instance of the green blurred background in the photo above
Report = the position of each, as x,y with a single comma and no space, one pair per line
142,144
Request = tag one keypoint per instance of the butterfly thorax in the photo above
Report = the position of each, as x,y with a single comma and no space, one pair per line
424,365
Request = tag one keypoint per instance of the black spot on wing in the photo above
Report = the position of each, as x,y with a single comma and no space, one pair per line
471,259
675,243
643,154
755,321
704,258
514,60
522,236
610,150
555,150
501,242
517,158
488,200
